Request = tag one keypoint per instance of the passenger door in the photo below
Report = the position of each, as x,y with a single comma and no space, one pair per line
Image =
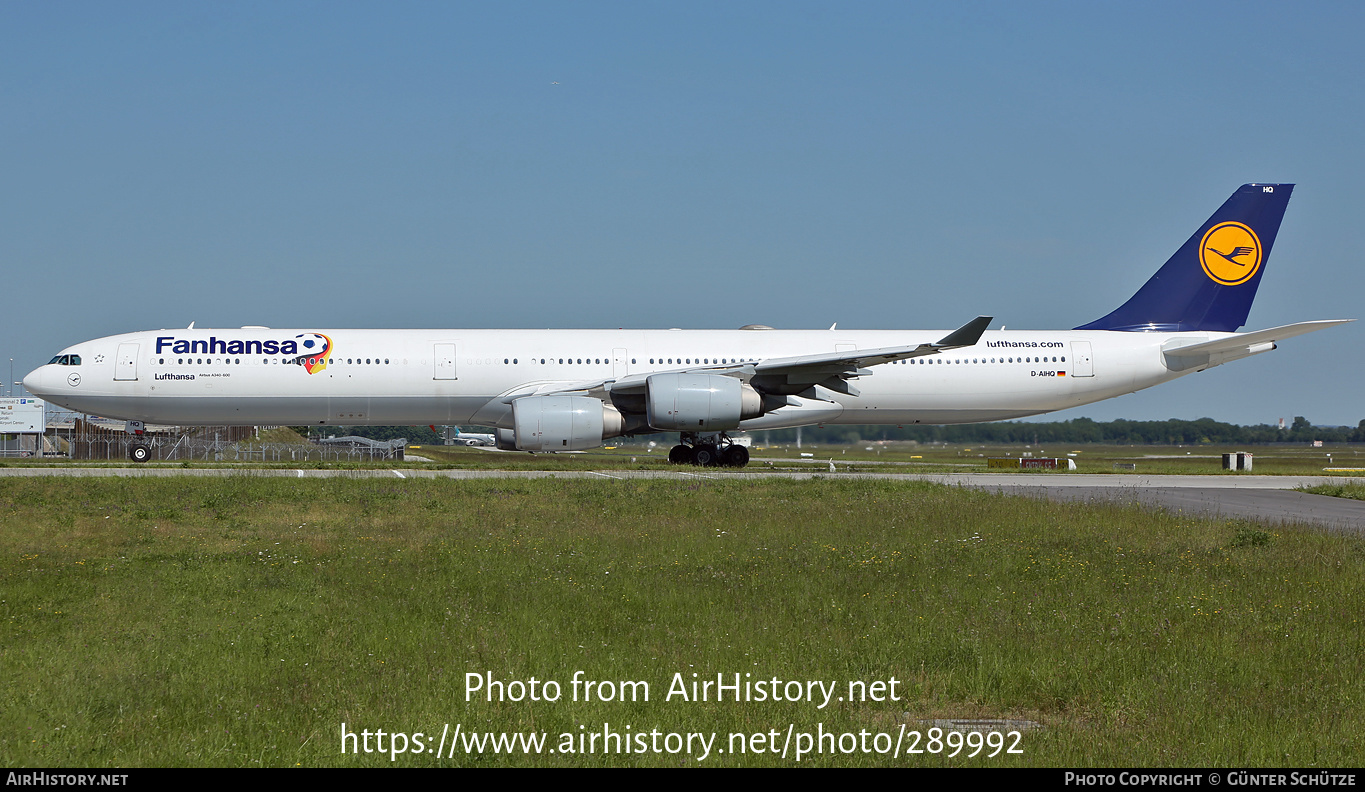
1081,363
444,360
125,365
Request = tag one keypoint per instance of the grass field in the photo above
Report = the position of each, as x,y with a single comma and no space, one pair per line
907,457
242,621
1354,490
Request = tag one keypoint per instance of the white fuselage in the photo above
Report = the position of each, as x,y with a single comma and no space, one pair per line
413,377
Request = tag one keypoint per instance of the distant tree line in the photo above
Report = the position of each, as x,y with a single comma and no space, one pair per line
1077,430
1081,430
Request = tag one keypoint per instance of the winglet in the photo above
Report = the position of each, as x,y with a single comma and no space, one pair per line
966,335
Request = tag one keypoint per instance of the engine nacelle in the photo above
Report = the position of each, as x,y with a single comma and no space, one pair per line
686,402
561,423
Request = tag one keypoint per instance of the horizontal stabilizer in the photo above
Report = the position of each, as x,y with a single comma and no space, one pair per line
1207,354
1246,340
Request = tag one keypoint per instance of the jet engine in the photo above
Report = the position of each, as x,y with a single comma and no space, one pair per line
561,423
687,402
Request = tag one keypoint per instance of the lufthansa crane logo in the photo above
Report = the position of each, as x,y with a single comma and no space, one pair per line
1230,253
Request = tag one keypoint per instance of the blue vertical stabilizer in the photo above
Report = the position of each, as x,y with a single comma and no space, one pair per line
1210,282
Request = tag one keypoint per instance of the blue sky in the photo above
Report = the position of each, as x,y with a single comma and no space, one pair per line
882,165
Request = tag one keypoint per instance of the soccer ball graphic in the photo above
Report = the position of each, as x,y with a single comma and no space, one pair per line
314,346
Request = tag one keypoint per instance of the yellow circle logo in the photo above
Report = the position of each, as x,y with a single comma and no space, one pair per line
1230,253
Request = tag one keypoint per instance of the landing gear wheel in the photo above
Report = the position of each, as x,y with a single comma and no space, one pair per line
705,456
680,454
736,456
139,453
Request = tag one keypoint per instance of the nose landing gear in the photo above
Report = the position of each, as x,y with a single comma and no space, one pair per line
138,451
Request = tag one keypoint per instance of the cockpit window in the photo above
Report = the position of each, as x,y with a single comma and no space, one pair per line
65,360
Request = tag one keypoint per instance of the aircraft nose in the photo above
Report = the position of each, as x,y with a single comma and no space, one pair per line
33,382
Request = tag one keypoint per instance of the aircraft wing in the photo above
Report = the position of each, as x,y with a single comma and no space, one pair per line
964,336
832,370
595,387
794,375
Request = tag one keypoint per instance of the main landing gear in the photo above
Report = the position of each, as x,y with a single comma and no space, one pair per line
714,449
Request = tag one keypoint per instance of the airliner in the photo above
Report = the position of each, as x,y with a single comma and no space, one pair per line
571,390
456,437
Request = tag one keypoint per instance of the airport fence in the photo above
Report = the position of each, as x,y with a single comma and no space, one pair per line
83,439
193,449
